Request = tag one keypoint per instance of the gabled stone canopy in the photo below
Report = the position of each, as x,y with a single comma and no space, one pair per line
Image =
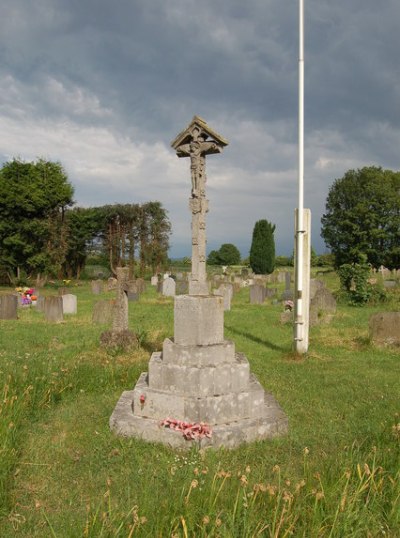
186,136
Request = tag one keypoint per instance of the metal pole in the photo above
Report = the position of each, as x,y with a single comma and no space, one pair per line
298,332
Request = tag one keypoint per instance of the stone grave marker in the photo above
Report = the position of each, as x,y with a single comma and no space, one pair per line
257,293
198,390
169,287
384,328
97,286
322,307
120,336
9,306
53,309
70,303
40,303
225,290
154,280
103,312
182,287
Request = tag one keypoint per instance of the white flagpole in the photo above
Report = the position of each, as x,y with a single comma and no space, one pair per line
299,306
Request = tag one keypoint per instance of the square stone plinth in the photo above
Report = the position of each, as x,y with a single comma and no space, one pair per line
198,320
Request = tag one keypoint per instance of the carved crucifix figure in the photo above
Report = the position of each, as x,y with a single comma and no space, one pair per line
193,143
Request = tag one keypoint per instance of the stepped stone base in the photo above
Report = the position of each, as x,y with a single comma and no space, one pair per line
199,378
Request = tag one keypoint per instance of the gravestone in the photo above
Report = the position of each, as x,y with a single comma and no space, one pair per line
154,280
40,303
384,328
133,290
70,303
140,285
8,306
120,336
322,307
169,287
97,286
103,312
315,285
257,294
182,287
198,384
53,309
270,292
288,294
225,290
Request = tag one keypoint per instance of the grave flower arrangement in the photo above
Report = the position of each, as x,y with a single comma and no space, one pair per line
27,296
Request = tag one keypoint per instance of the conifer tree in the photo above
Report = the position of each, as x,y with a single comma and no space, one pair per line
262,251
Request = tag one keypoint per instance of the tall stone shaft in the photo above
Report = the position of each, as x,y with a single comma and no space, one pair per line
197,141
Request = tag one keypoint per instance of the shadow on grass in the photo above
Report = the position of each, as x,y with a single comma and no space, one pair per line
258,340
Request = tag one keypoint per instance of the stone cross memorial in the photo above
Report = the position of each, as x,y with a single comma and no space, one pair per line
198,389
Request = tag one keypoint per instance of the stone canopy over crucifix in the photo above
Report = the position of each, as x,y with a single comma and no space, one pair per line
197,141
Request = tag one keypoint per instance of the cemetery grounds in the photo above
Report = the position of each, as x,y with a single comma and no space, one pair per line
64,474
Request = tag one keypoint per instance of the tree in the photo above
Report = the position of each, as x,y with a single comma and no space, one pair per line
262,251
33,231
228,254
363,218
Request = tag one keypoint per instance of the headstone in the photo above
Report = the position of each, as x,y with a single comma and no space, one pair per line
182,287
270,292
8,306
169,287
120,336
384,328
70,303
53,309
198,380
322,307
40,303
97,286
257,294
315,285
140,285
281,277
154,280
103,312
225,290
287,295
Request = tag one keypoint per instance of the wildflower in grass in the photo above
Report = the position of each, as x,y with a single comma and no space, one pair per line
306,451
271,490
218,522
259,487
243,480
276,469
196,471
300,485
319,495
247,470
206,520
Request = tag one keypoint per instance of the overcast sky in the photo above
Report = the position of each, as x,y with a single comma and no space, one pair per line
104,87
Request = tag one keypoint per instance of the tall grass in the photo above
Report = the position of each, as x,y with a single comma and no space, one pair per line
64,474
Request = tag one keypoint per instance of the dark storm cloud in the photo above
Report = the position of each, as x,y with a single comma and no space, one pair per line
105,86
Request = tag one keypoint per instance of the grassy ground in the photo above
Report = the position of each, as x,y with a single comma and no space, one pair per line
64,474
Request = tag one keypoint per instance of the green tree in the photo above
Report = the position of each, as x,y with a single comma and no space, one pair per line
362,218
262,251
213,258
33,231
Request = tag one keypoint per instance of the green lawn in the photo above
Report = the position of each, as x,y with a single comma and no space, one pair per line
64,474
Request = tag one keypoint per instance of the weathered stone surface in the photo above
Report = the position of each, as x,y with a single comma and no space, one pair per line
125,340
53,309
8,306
154,280
97,286
322,307
198,377
112,284
384,328
225,290
182,287
70,303
40,303
315,285
103,312
169,287
257,294
199,320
